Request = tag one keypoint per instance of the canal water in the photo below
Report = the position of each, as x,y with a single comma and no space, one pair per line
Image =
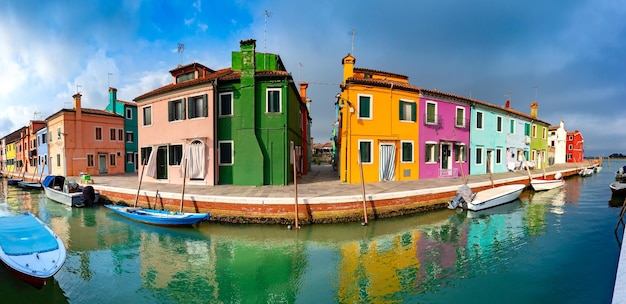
549,247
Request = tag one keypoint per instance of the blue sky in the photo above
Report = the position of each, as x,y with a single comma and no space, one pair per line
570,54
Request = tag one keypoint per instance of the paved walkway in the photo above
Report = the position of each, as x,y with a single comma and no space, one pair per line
321,181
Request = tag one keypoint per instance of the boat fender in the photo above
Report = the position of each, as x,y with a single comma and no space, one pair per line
558,175
89,195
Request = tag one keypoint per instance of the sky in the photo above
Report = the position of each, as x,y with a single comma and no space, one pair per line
569,55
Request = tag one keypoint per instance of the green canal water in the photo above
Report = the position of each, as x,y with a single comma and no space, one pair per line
549,247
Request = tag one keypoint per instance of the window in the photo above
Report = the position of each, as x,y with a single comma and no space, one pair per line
431,152
226,151
512,126
571,137
365,148
98,133
499,125
129,157
175,110
58,160
365,107
90,160
120,134
112,159
176,155
112,131
58,133
273,101
479,120
534,131
571,147
479,156
129,113
543,132
459,153
197,106
226,104
145,154
498,156
431,113
460,117
527,129
407,110
185,77
147,116
407,151
129,137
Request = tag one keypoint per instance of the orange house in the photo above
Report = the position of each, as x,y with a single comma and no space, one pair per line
85,141
574,149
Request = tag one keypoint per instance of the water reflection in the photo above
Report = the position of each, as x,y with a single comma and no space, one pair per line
393,260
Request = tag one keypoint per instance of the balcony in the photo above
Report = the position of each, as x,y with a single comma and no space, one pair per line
433,121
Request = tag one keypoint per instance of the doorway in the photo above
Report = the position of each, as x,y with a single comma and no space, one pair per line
161,162
102,163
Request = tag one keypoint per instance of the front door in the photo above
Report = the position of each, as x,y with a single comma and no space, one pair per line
489,161
161,162
387,165
102,163
446,159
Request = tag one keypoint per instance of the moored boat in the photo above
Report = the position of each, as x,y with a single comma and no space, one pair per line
618,187
29,185
542,183
30,249
159,217
68,192
485,199
586,172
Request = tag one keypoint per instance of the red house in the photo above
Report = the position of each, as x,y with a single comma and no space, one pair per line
574,149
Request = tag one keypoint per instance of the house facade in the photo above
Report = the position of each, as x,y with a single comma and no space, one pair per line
42,151
488,138
30,144
538,138
557,137
444,135
129,111
83,140
575,150
378,126
517,138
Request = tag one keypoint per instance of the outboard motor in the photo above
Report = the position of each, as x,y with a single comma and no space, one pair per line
89,196
463,196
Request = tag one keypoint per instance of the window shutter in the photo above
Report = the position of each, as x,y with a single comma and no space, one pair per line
190,108
205,107
436,153
413,112
170,111
401,109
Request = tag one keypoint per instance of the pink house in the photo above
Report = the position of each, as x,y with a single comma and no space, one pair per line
176,126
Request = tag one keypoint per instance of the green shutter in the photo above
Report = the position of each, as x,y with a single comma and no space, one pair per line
190,108
401,109
205,108
436,153
413,112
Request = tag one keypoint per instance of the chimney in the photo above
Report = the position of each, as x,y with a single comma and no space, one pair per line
533,109
77,105
112,99
348,67
303,87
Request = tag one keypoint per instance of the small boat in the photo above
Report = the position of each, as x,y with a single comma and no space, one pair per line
159,217
485,199
29,185
586,172
30,249
620,173
543,183
68,192
13,181
618,187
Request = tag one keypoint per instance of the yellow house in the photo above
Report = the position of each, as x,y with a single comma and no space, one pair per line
10,151
378,117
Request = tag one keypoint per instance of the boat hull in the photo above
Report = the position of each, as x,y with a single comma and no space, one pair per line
546,184
30,249
159,217
74,199
618,188
494,197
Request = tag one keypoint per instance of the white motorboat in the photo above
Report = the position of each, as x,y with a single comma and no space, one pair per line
586,172
542,183
30,249
67,192
485,199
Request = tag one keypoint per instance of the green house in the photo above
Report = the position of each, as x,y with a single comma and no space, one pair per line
259,120
129,111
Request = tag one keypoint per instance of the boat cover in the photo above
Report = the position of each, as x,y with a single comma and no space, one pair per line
24,234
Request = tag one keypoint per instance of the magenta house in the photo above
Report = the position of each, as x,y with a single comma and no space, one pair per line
443,134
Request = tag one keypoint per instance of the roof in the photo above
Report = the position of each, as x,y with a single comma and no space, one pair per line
85,111
383,83
378,72
177,86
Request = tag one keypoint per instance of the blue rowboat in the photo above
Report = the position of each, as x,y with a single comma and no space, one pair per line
30,249
159,217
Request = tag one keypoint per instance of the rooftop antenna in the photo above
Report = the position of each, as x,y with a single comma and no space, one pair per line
535,87
181,48
353,32
267,15
300,72
37,115
109,79
78,86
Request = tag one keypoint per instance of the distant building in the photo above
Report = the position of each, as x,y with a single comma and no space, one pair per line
575,150
129,111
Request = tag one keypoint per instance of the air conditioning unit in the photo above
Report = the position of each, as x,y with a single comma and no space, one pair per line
527,140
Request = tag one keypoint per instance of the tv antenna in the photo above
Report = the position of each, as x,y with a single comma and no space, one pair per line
267,15
300,72
109,79
78,86
181,49
535,87
353,33
37,115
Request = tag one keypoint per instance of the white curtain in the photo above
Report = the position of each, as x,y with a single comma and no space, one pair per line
387,162
194,154
151,169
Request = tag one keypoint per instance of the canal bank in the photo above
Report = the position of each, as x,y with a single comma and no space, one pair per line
322,198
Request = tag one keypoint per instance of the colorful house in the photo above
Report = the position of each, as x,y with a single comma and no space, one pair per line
129,111
179,119
517,128
538,138
42,151
488,138
443,134
557,137
575,150
85,140
261,118
14,165
29,142
378,126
